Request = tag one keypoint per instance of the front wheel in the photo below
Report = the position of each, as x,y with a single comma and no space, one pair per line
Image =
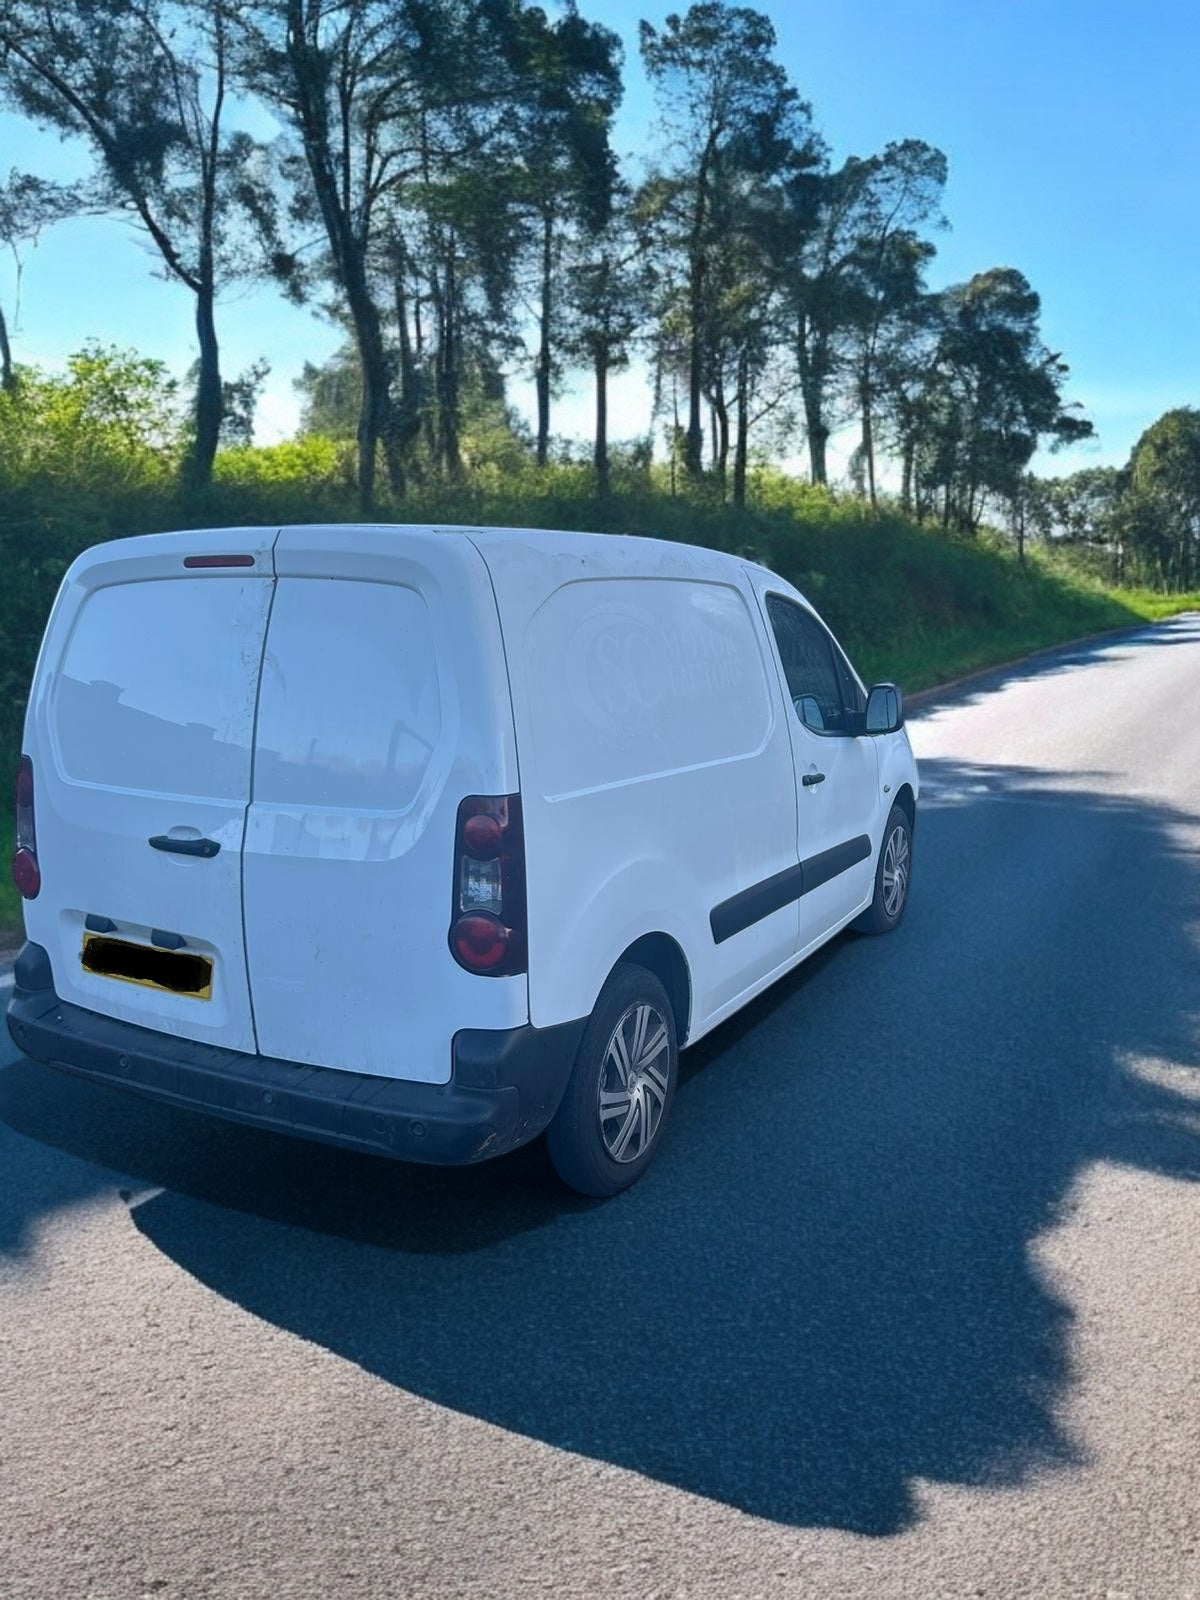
611,1119
893,875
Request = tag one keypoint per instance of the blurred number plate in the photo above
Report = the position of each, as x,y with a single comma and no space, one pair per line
173,971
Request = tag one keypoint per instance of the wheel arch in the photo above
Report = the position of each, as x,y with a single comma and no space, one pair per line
660,954
907,802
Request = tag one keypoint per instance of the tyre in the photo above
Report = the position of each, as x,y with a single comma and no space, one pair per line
893,875
612,1117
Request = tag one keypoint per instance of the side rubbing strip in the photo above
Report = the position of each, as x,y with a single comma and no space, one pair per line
819,869
751,905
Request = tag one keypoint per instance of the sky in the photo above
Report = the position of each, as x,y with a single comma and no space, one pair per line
1072,131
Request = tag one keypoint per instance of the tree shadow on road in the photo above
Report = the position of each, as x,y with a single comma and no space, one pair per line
1113,648
824,1289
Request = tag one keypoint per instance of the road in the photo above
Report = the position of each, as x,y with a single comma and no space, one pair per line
908,1306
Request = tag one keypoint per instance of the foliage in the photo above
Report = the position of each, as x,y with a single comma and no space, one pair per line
1140,525
1160,510
992,392
453,203
737,133
144,87
111,422
27,205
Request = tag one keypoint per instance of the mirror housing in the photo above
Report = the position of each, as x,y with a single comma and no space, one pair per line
885,709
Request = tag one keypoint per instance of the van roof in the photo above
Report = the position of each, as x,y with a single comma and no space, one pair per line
524,545
553,540
562,542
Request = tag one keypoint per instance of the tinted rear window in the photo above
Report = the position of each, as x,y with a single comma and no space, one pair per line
350,714
156,687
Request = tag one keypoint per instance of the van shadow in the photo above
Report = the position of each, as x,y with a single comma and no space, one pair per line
824,1288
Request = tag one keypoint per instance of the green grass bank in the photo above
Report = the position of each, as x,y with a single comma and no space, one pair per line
911,604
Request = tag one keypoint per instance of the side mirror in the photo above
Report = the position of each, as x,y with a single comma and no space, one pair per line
885,709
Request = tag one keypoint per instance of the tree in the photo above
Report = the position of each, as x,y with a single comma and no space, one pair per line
27,205
851,261
331,395
1161,506
900,191
817,244
110,422
728,111
993,392
145,85
567,172
341,74
610,284
239,401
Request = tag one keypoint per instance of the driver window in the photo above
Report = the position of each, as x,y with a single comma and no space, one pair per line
807,655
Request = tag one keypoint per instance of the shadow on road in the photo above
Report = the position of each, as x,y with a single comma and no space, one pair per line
824,1289
1183,629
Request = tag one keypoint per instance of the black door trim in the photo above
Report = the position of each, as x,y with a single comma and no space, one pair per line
748,906
819,869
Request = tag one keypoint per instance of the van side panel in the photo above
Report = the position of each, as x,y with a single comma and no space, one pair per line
657,778
384,702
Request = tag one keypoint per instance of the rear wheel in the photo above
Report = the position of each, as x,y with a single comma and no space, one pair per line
892,877
611,1119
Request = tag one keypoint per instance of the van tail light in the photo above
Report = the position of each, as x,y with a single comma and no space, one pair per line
488,932
25,870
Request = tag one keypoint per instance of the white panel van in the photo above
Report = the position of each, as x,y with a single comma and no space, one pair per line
424,841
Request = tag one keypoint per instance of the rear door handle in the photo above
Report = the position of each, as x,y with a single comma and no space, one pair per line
184,847
810,778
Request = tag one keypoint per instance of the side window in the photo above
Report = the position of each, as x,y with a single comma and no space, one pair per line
853,698
814,678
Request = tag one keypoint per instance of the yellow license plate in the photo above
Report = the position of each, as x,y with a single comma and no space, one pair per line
173,971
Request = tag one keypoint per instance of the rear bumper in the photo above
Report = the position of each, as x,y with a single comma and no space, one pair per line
505,1085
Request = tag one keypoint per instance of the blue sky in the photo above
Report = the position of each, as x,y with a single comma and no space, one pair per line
1073,137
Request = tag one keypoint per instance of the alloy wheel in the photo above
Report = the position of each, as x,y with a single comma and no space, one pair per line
633,1082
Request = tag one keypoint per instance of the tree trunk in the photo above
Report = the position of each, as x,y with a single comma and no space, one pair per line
674,433
542,373
374,416
408,405
742,449
600,452
8,381
449,419
814,421
348,245
906,476
868,437
209,402
693,451
721,419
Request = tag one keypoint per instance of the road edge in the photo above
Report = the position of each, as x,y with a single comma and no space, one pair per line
923,699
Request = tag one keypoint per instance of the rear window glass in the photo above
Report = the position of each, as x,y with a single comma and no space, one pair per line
156,687
350,712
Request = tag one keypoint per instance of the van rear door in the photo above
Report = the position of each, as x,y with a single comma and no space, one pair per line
140,730
384,703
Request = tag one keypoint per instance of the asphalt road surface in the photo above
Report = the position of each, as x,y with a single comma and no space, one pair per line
908,1306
